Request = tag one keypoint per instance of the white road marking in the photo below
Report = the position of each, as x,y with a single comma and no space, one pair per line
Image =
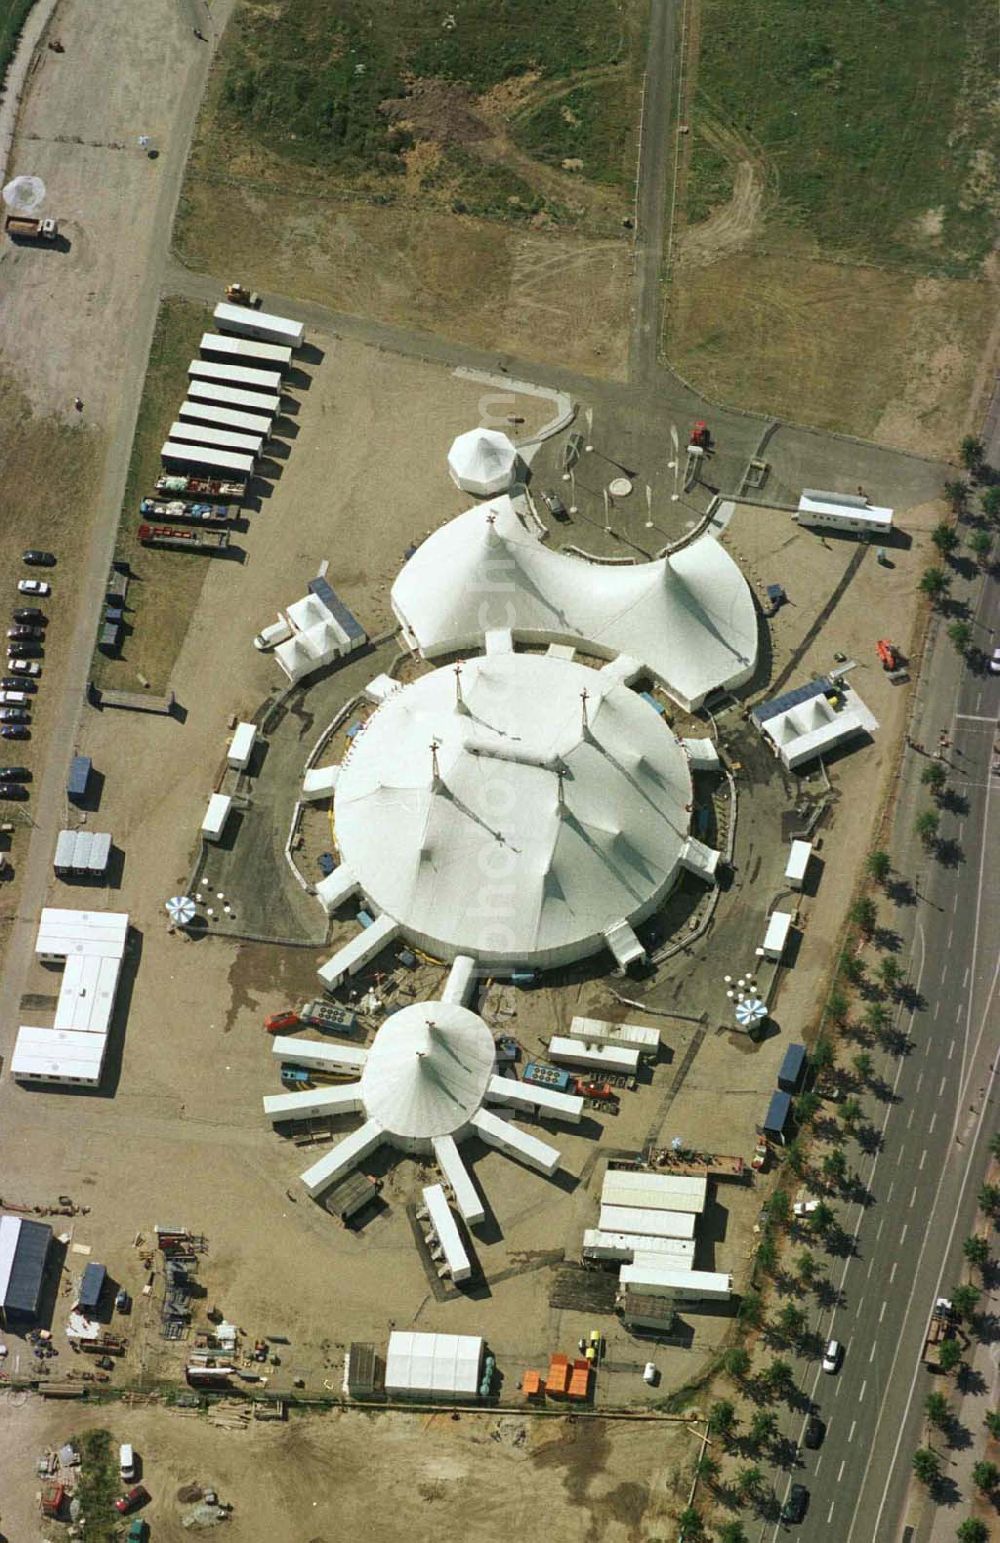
892,1186
919,1082
954,907
880,1226
840,1475
944,1083
892,1272
958,1012
881,1312
930,1128
864,1389
920,1165
965,978
937,1009
868,1273
972,717
850,1436
902,1235
871,1353
829,1514
944,972
951,1050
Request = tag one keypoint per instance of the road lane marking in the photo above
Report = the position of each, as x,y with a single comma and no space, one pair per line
954,907
868,1274
944,1084
902,1235
864,1389
871,1353
829,1514
850,1436
958,1012
944,972
881,1312
930,1128
965,978
858,1311
892,1186
937,1009
892,1272
951,1050
920,1165
840,1475
973,717
919,1081
881,1224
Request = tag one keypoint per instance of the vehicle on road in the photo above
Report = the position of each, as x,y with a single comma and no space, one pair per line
995,662
814,1432
833,1355
18,665
22,227
30,614
14,774
943,1324
796,1505
138,1495
554,504
36,558
34,587
15,731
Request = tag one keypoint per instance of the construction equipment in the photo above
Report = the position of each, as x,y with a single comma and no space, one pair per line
698,446
238,294
700,436
887,654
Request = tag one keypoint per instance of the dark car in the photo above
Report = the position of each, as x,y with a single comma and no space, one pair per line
14,715
13,790
31,614
795,1507
14,774
136,1496
36,559
15,731
25,649
815,1431
554,505
17,683
19,631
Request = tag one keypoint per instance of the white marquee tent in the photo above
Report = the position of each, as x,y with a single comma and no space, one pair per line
482,461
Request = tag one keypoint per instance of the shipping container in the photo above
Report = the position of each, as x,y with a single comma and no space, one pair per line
193,411
182,433
268,382
265,328
231,396
265,356
203,459
607,1058
688,1285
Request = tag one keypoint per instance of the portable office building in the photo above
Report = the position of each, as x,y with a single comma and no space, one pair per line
268,382
183,433
216,815
203,460
231,418
779,1113
594,1057
798,863
320,1055
231,396
68,1057
655,1191
447,1233
687,1285
775,938
647,1224
842,511
596,1031
624,1246
24,1248
241,746
467,1200
267,356
91,1287
79,777
258,324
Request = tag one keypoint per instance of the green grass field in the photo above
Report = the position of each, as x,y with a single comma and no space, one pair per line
591,123
873,117
13,14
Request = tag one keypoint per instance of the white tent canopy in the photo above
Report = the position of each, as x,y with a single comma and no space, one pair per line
482,461
24,195
689,618
427,1072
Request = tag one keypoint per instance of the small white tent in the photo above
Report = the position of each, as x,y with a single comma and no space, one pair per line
482,461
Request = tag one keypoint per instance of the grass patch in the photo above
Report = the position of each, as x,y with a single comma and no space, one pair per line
491,191
13,15
876,118
308,82
166,585
592,123
99,1485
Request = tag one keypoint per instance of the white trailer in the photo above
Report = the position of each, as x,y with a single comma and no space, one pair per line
648,1280
594,1057
268,382
776,937
258,324
71,1057
445,1230
623,1247
231,396
182,433
595,1031
798,863
319,1055
654,1191
842,511
265,356
470,1207
216,815
203,460
546,1103
647,1224
313,1103
230,418
241,746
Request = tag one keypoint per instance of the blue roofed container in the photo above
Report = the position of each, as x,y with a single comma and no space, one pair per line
779,1112
79,776
91,1287
792,1069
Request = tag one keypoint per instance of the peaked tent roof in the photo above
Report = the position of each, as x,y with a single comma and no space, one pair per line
690,618
427,1071
482,461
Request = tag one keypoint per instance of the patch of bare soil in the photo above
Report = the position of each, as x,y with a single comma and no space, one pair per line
729,228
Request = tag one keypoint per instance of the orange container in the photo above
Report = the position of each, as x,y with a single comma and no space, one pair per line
579,1382
532,1384
555,1382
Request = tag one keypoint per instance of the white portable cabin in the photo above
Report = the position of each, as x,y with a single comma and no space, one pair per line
842,511
241,746
183,433
646,1222
649,1280
624,1246
313,1103
258,324
595,1057
320,1055
595,1031
216,815
203,460
66,1056
231,396
193,411
267,382
798,863
654,1191
266,356
447,1233
467,1200
544,1102
776,936
519,1144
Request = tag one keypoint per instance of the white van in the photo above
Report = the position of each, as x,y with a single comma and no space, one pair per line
126,1461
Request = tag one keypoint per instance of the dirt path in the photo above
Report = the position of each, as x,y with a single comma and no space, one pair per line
727,229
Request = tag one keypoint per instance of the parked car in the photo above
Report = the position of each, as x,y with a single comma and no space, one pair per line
14,774
34,587
554,504
138,1531
995,662
794,1508
38,559
814,1432
20,631
13,790
32,614
123,1302
832,1356
21,666
280,1023
14,715
24,648
17,683
138,1495
15,731
805,1207
126,1461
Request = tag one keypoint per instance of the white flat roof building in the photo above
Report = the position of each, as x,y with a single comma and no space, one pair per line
241,746
62,933
216,815
598,1056
63,1056
776,936
798,863
92,944
445,1366
647,1222
654,1191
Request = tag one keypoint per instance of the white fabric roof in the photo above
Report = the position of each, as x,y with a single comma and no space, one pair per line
435,1364
579,851
427,1071
690,618
482,461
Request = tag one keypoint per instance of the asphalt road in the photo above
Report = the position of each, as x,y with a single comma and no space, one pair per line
906,1235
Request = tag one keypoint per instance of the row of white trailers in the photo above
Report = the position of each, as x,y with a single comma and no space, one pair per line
647,1225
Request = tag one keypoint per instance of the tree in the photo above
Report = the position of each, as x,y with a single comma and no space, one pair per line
971,452
991,502
822,1057
837,1005
989,1199
960,634
955,493
737,1362
972,1530
934,584
981,545
689,1525
767,1253
795,1157
949,1355
852,968
778,1375
977,1252
876,1017
995,1144
863,1065
863,914
991,1420
707,1468
732,1532
965,1300
926,827
748,1481
807,1107
926,1465
835,1166
823,1218
806,1267
778,1208
850,1113
985,1476
763,1427
934,777
944,538
792,1322
750,1310
937,1409
890,972
878,866
722,1418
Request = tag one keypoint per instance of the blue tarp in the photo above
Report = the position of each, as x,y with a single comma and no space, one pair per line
792,1068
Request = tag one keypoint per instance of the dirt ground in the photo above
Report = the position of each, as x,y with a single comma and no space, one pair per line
331,1475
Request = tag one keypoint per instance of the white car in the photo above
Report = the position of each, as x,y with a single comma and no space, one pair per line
832,1356
23,666
995,662
34,587
805,1207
